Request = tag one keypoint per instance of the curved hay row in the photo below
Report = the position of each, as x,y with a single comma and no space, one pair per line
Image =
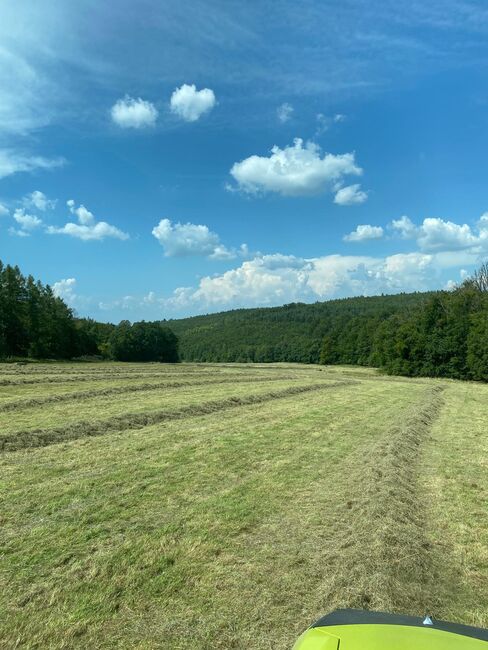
121,390
63,379
107,370
60,379
379,546
80,429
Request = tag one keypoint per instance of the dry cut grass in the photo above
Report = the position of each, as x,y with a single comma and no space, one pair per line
232,514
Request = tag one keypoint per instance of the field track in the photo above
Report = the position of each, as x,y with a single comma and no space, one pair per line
228,506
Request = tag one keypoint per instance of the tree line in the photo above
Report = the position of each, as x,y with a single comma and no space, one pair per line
436,334
292,333
445,337
36,324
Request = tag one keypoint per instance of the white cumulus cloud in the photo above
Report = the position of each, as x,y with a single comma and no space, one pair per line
405,227
296,170
65,289
438,235
38,200
350,195
131,113
87,228
284,112
364,232
85,217
26,222
277,279
186,239
12,162
4,211
190,104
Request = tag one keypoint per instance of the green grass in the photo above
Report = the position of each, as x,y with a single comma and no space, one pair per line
240,521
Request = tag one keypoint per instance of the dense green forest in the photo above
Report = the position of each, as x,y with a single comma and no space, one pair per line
442,333
33,322
294,332
439,334
447,336
36,324
142,342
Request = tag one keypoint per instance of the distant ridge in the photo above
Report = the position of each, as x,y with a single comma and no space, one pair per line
293,332
432,334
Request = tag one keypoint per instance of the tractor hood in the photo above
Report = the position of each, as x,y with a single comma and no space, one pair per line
353,629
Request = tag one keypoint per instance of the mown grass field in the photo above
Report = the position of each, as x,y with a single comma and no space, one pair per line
227,506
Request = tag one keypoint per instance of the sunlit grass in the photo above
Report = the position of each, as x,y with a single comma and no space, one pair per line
238,528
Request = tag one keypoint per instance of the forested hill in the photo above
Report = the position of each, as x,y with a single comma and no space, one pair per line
294,332
435,334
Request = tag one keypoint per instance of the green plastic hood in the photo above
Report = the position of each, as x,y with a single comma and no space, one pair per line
352,629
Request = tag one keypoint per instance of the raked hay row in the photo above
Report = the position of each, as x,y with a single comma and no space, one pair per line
229,506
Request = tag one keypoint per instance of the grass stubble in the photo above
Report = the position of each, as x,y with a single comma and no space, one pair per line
236,520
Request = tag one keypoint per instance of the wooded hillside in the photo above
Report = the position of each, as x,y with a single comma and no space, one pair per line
436,334
294,332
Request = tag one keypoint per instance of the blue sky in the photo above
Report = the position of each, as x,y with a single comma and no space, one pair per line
162,159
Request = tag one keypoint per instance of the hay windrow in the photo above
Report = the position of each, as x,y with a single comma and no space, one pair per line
386,561
76,378
240,528
20,404
44,437
27,379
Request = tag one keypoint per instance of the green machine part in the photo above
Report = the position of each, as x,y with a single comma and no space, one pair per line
353,629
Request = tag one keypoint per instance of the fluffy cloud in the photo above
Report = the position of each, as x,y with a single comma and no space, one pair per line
26,222
268,280
4,211
190,104
85,217
87,228
364,232
350,195
277,279
404,227
293,171
39,201
130,113
284,112
435,234
261,281
65,289
186,239
12,161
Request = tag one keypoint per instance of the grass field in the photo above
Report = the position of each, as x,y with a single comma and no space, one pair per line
227,506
